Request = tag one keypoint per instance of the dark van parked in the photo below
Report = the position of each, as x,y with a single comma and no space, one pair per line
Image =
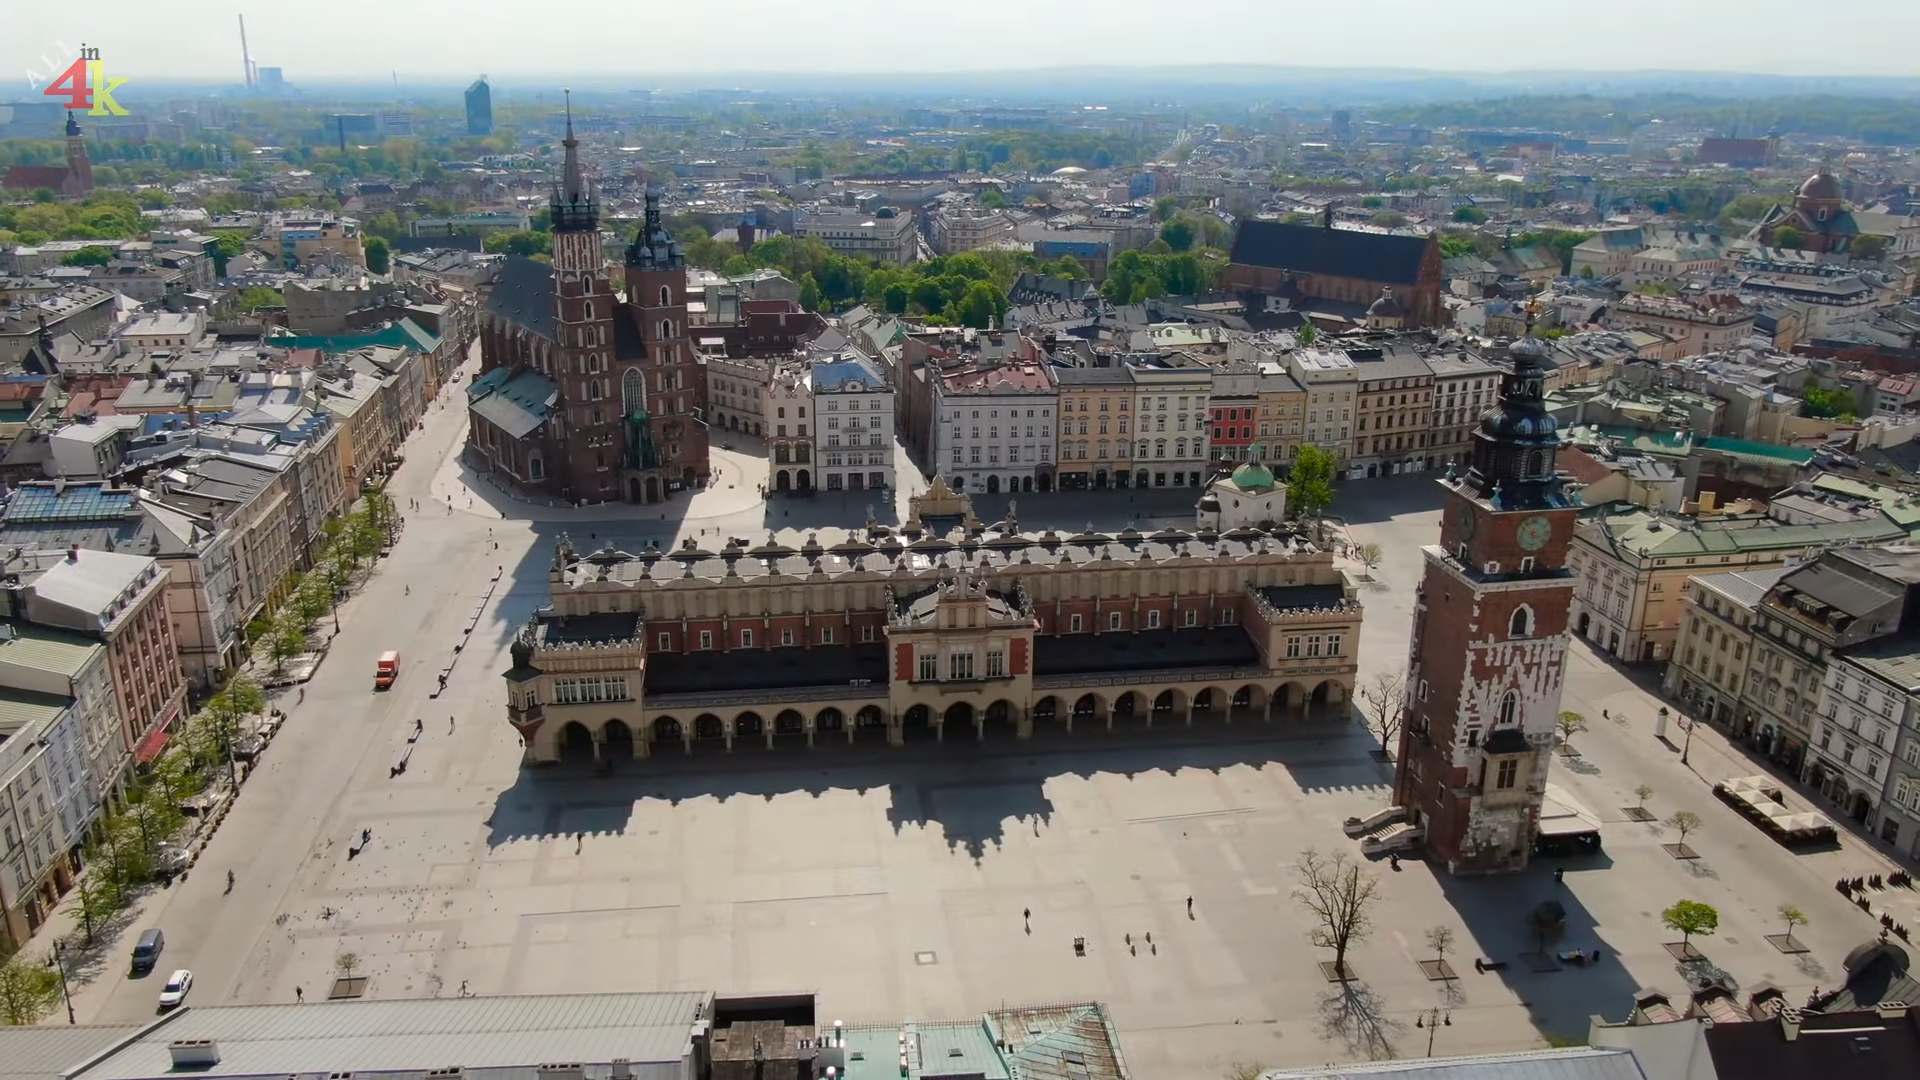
146,952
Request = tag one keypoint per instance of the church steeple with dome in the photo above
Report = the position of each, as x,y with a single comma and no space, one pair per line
1518,440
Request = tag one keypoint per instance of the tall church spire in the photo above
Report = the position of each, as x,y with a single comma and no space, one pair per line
574,208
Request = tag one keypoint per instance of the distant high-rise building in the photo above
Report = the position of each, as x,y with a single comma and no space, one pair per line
1343,125
270,80
396,123
479,108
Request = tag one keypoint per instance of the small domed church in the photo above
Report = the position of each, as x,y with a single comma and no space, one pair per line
1826,223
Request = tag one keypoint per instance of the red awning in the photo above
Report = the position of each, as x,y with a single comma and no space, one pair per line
151,746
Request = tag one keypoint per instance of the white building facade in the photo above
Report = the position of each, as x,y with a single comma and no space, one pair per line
993,427
1869,725
1171,423
853,443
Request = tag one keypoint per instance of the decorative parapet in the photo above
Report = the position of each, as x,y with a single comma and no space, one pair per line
1316,613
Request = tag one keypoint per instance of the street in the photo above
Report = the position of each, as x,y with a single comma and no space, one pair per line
893,881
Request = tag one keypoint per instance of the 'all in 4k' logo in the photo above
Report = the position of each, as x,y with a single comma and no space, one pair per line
84,84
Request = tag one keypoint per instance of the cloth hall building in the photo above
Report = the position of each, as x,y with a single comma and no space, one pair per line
585,393
944,629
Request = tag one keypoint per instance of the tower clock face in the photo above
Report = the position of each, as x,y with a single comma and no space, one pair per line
1467,520
1534,533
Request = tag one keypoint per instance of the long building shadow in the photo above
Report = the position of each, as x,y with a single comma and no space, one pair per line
972,793
1562,999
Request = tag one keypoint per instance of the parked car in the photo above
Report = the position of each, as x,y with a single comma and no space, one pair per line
146,951
176,989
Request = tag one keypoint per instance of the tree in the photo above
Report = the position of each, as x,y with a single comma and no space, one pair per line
981,306
224,711
1691,917
1178,234
255,297
1339,895
519,242
1819,401
1786,236
809,293
1454,245
1868,248
1570,724
28,990
1307,333
1470,215
1386,695
346,964
96,899
1792,916
89,256
1165,207
1389,219
1310,483
992,198
1683,822
1586,273
1440,939
1643,793
1370,556
286,639
379,255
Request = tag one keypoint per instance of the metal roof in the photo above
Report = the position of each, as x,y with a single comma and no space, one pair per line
487,1033
45,649
45,1053
1580,1063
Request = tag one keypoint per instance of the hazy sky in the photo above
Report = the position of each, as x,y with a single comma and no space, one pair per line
441,39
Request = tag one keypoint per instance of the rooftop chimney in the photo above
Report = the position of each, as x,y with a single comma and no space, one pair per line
194,1053
1891,1010
73,553
1790,1024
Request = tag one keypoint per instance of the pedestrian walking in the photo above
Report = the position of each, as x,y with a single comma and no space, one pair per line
1189,905
1559,874
299,995
449,725
463,988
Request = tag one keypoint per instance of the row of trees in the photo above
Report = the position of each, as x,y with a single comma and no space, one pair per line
127,851
101,215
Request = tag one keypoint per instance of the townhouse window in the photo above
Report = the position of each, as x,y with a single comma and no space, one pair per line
929,667
1293,647
786,635
1073,624
1153,618
706,639
960,664
1313,645
746,639
826,635
996,664
867,634
1508,773
666,643
1113,620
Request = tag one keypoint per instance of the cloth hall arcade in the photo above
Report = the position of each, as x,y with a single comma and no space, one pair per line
945,629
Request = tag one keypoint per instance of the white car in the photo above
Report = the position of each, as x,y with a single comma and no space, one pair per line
176,989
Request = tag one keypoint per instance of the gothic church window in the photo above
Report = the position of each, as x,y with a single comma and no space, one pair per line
632,391
1509,709
666,297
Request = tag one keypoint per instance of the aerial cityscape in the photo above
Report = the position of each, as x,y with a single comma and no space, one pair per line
1106,558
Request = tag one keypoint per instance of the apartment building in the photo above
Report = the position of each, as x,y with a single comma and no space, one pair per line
120,600
1171,425
1095,447
966,227
1231,411
1709,666
56,663
1873,692
1464,388
885,234
1634,564
1718,322
788,422
1282,402
309,239
1393,412
1331,380
737,391
994,427
43,791
853,439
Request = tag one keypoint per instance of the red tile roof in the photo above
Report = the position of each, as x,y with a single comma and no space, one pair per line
29,177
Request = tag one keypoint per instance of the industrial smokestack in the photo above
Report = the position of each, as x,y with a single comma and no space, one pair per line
246,57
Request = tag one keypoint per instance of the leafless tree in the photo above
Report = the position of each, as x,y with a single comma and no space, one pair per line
1386,695
1440,939
1683,822
1369,555
1340,895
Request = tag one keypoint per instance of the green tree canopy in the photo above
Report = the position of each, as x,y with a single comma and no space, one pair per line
1786,236
89,256
1471,215
520,242
1310,483
254,297
379,255
992,198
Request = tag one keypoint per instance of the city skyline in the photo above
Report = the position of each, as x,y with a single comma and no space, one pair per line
729,37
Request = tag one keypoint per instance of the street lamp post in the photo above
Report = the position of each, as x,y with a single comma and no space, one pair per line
1433,1020
59,962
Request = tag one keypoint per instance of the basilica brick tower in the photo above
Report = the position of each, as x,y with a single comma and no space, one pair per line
1488,654
585,394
